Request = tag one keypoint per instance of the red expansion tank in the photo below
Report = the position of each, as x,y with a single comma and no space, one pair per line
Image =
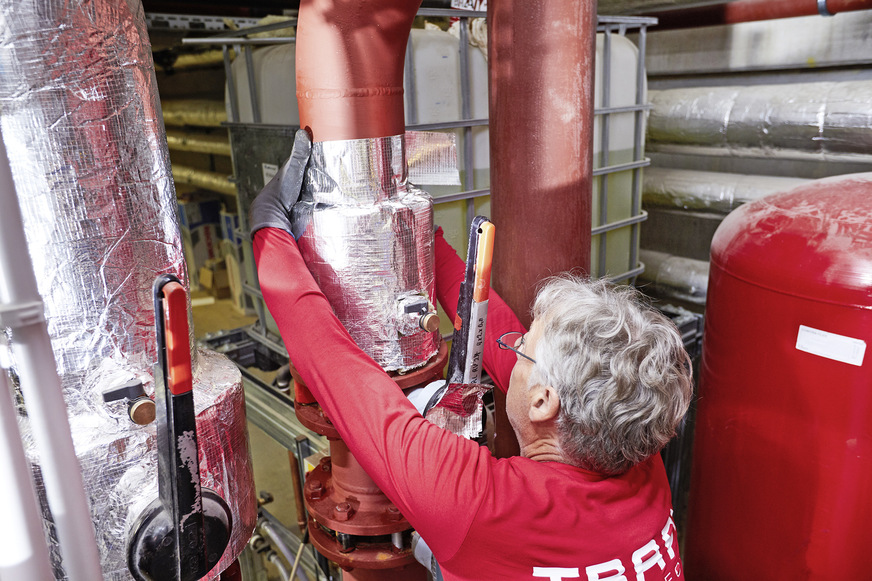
781,484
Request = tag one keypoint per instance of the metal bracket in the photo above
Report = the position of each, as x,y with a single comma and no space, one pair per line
19,315
822,8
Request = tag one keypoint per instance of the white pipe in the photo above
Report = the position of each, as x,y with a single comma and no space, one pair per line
35,363
283,571
23,552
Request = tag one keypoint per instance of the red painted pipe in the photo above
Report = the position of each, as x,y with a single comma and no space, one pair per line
753,10
350,56
541,66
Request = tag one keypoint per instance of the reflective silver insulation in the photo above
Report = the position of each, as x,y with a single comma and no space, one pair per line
708,191
803,120
369,241
196,112
82,124
674,277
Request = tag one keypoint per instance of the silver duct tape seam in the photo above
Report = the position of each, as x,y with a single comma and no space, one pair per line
818,118
82,124
369,244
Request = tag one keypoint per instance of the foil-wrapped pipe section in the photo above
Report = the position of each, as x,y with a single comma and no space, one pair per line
195,112
366,235
708,191
82,124
674,277
200,143
210,180
821,119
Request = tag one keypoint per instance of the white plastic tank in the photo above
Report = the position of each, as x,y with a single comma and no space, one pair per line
622,92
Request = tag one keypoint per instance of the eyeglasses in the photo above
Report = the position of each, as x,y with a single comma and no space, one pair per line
511,342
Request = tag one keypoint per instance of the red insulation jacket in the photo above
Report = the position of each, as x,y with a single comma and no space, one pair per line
753,10
350,56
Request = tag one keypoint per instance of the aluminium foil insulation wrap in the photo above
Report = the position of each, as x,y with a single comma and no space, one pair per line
82,126
708,191
368,241
675,277
815,120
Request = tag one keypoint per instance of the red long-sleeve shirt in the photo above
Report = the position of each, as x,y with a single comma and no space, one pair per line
483,518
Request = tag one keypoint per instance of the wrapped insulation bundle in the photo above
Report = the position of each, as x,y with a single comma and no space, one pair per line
82,125
708,191
803,120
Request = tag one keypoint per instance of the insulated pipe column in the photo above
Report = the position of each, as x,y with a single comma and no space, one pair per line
541,65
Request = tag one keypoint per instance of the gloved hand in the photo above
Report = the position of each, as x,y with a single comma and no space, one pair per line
272,206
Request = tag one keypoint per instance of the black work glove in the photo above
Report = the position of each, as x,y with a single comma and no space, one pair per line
272,206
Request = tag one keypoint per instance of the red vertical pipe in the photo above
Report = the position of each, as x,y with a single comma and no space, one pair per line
349,64
541,66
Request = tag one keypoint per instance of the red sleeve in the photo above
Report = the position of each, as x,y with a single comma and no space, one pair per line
450,270
426,471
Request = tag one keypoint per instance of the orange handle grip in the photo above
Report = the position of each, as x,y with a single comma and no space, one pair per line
177,337
483,261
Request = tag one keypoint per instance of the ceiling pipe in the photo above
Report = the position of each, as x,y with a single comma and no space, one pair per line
754,10
350,59
541,67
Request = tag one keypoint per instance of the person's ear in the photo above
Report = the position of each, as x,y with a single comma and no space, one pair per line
544,404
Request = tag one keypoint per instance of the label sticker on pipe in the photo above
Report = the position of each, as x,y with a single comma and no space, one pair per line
831,346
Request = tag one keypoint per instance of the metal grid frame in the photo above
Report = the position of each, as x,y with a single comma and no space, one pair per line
609,25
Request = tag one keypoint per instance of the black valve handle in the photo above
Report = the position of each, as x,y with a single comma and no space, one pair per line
183,533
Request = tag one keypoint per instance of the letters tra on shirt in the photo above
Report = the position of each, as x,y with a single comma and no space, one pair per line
655,560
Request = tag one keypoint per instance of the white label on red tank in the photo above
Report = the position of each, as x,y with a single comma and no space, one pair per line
831,346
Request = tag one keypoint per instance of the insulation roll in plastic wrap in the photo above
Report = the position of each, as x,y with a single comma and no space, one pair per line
807,120
674,277
82,124
708,191
368,241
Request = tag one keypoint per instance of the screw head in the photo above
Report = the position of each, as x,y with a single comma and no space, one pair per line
342,511
142,411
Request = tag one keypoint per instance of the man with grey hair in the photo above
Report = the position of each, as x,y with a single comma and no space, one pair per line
595,389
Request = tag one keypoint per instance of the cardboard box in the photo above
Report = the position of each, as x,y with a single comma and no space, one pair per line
241,302
201,244
229,226
214,278
196,210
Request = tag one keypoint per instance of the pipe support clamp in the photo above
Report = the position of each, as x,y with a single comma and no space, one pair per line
19,315
822,8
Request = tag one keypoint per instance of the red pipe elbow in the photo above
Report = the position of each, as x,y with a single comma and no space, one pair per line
350,56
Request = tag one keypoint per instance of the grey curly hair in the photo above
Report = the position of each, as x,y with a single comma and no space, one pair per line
620,370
